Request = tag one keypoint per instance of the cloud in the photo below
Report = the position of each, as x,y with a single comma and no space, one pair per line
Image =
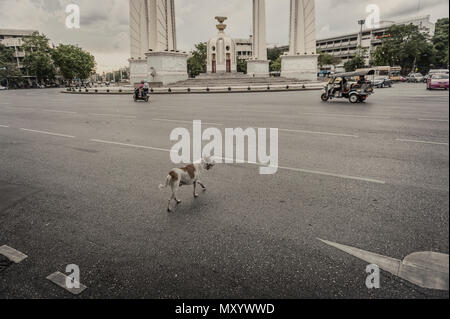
105,31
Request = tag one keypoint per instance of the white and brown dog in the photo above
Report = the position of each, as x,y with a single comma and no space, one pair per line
188,175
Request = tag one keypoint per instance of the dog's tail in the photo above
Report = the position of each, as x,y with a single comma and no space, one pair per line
168,179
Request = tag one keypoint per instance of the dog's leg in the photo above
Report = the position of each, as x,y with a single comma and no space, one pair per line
175,192
195,190
168,205
201,184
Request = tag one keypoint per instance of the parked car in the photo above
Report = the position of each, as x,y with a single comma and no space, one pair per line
402,78
414,78
438,81
382,82
3,88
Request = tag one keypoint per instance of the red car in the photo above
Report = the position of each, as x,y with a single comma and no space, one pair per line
438,81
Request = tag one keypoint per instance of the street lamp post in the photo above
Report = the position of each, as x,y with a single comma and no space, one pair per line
361,23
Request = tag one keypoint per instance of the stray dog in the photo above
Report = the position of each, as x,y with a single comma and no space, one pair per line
188,175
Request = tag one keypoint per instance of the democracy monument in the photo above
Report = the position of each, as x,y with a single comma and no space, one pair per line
155,57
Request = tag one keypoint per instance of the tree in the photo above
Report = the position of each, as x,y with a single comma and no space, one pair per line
407,47
10,74
197,62
38,60
358,62
328,59
274,56
275,66
440,43
73,62
242,66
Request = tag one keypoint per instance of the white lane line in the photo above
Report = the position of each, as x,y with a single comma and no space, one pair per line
56,111
188,122
47,133
61,280
14,255
318,133
421,142
131,145
349,115
413,96
115,115
355,178
5,126
433,120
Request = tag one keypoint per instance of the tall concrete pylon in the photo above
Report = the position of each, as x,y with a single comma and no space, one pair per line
258,65
301,61
154,55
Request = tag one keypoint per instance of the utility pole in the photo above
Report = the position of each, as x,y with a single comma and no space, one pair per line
361,23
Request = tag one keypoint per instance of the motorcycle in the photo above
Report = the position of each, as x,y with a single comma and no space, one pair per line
141,95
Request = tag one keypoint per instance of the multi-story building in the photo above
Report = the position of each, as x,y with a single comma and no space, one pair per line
345,46
244,48
14,39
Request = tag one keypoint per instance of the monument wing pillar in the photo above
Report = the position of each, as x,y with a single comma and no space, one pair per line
301,61
158,58
258,66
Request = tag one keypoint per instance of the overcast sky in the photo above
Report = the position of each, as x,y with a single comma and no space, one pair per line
104,23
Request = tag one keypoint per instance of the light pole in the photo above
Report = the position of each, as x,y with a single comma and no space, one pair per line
361,23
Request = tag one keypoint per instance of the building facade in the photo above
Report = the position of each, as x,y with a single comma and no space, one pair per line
345,46
15,39
244,48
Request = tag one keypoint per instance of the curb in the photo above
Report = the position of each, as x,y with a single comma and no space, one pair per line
206,90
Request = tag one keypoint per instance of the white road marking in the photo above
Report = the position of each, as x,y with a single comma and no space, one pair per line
132,145
115,115
59,279
5,126
421,142
349,115
355,178
189,122
307,171
318,133
433,120
413,96
47,133
56,111
14,255
425,269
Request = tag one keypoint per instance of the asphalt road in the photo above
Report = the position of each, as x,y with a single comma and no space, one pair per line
374,176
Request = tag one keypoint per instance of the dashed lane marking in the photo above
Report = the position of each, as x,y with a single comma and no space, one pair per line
47,133
60,280
421,142
115,115
348,115
12,254
57,111
433,120
131,145
188,122
318,133
5,126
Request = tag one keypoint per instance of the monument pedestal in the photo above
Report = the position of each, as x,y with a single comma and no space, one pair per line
258,68
138,70
166,67
300,67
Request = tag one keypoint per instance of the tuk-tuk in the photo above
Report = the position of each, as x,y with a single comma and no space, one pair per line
340,86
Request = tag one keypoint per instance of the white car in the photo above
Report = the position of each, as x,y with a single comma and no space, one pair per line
2,88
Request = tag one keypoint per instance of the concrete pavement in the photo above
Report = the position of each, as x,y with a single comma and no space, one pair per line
82,175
